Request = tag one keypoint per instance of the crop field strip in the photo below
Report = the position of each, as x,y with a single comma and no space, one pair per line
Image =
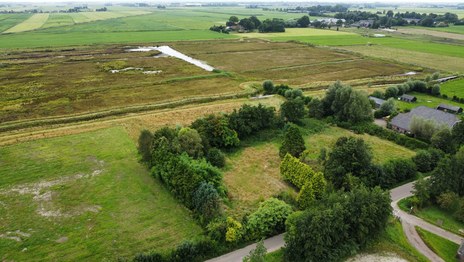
10,20
34,22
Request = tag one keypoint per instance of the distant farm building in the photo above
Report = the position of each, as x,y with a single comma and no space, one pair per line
450,108
445,79
408,98
377,101
363,23
412,20
402,122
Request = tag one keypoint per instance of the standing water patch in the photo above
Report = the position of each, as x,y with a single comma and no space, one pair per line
171,52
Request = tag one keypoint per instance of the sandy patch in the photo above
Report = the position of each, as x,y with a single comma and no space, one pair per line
387,257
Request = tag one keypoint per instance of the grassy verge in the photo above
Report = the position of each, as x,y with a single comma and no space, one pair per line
276,256
393,240
84,197
433,214
440,246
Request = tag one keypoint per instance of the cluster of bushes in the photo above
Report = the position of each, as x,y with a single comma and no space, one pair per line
195,251
186,159
268,220
312,184
426,87
375,130
337,226
445,187
220,29
343,103
388,108
350,162
251,23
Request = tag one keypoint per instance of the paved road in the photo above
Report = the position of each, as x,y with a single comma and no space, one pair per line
272,244
408,221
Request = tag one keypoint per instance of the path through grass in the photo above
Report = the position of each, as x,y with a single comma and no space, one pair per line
442,247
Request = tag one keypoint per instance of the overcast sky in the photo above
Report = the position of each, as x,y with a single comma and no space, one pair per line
192,1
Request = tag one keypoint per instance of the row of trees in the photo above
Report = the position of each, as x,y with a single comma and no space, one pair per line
337,226
343,103
445,187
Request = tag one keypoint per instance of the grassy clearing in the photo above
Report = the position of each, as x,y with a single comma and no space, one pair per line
393,240
276,256
94,201
34,22
442,247
453,88
425,100
10,20
382,150
433,214
252,176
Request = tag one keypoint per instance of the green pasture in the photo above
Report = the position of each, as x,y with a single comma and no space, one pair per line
457,29
9,20
39,39
425,100
453,88
84,197
34,22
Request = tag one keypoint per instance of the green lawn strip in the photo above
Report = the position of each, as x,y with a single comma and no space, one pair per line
453,88
426,100
103,203
9,20
442,247
393,240
40,39
276,256
433,215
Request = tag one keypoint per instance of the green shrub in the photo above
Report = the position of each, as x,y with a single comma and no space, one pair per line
269,219
293,142
216,157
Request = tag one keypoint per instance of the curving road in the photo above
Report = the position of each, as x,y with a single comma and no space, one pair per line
408,221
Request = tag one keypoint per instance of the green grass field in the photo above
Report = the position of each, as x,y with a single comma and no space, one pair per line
433,214
9,20
453,88
34,22
84,197
382,150
440,246
457,29
425,100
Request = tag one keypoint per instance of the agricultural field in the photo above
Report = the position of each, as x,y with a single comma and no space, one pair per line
434,33
457,29
453,88
33,85
425,100
83,197
10,20
34,22
416,9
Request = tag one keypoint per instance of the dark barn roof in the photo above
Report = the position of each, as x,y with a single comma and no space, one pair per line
408,97
447,107
378,102
403,121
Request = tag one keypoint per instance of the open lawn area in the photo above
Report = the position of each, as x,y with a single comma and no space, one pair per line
453,88
84,197
442,247
433,215
382,150
457,29
252,173
425,100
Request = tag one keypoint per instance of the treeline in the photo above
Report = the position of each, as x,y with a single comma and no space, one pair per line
399,19
252,23
445,187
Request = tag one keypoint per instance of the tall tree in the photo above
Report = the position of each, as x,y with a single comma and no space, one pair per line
293,142
293,110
